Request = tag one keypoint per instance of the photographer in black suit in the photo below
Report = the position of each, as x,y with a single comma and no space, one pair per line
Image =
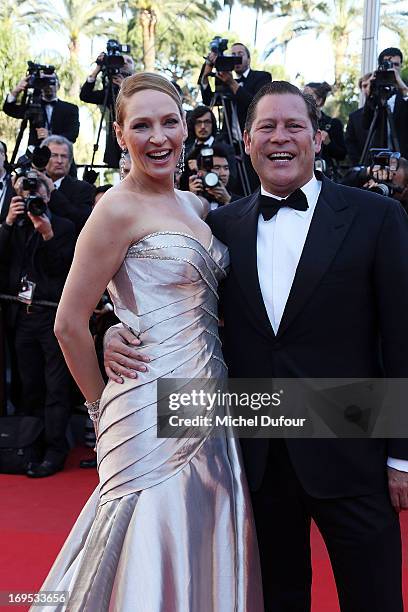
241,89
397,103
89,94
38,249
59,117
70,197
356,133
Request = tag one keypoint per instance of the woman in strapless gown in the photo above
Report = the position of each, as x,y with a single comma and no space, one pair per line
170,527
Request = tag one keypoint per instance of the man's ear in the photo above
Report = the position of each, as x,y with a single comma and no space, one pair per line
247,141
317,141
119,135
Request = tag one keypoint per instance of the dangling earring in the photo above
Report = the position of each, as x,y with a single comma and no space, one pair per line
181,162
122,163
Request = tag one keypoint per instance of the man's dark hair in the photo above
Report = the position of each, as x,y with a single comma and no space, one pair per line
195,114
219,151
321,90
6,164
245,47
279,88
102,189
390,52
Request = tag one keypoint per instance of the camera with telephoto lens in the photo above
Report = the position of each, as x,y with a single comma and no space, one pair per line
223,63
33,203
384,83
113,60
27,165
385,159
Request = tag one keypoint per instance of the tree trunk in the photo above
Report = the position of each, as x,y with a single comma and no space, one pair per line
256,25
148,22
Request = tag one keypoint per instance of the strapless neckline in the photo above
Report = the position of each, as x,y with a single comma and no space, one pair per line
208,249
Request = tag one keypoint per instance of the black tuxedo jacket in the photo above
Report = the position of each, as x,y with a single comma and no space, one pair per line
400,116
350,294
7,198
243,98
64,119
73,200
356,136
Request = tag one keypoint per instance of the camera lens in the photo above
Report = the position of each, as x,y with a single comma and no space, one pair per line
210,179
36,205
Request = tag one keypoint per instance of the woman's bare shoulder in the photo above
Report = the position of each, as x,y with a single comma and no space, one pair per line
194,201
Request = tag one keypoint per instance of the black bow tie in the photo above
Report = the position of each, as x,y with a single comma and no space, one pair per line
48,102
240,79
269,206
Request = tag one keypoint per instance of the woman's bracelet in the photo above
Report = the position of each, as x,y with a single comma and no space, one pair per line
93,409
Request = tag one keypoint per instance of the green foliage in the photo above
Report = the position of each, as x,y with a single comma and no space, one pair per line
14,53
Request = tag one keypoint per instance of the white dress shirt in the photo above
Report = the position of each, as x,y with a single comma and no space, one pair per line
3,188
280,243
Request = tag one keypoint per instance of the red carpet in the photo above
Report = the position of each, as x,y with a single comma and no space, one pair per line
37,515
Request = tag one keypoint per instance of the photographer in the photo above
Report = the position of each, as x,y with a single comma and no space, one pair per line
387,88
391,181
111,82
241,89
202,132
356,133
70,197
38,248
209,177
51,116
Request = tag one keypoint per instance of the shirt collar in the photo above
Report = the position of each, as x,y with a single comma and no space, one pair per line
58,182
207,142
311,190
245,74
49,101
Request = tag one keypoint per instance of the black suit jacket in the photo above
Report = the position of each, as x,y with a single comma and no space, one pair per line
46,262
349,294
7,198
243,98
73,200
64,119
400,116
89,94
356,136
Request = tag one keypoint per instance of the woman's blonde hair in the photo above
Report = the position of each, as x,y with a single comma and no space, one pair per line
139,82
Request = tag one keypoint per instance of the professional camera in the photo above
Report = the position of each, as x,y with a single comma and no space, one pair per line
210,178
386,160
40,75
223,63
384,82
113,60
33,203
35,158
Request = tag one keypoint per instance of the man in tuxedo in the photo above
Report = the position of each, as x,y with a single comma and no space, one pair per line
356,133
312,289
59,117
70,197
397,103
317,288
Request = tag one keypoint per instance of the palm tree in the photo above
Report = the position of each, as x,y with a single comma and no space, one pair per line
77,19
336,19
171,15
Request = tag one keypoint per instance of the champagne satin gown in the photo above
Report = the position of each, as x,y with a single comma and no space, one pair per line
170,527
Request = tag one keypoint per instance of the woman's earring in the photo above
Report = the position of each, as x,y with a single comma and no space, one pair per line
122,163
181,161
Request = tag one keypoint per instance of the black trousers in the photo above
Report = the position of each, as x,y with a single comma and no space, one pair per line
362,536
44,377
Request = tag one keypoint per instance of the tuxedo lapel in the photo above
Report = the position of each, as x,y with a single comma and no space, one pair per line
331,221
242,244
